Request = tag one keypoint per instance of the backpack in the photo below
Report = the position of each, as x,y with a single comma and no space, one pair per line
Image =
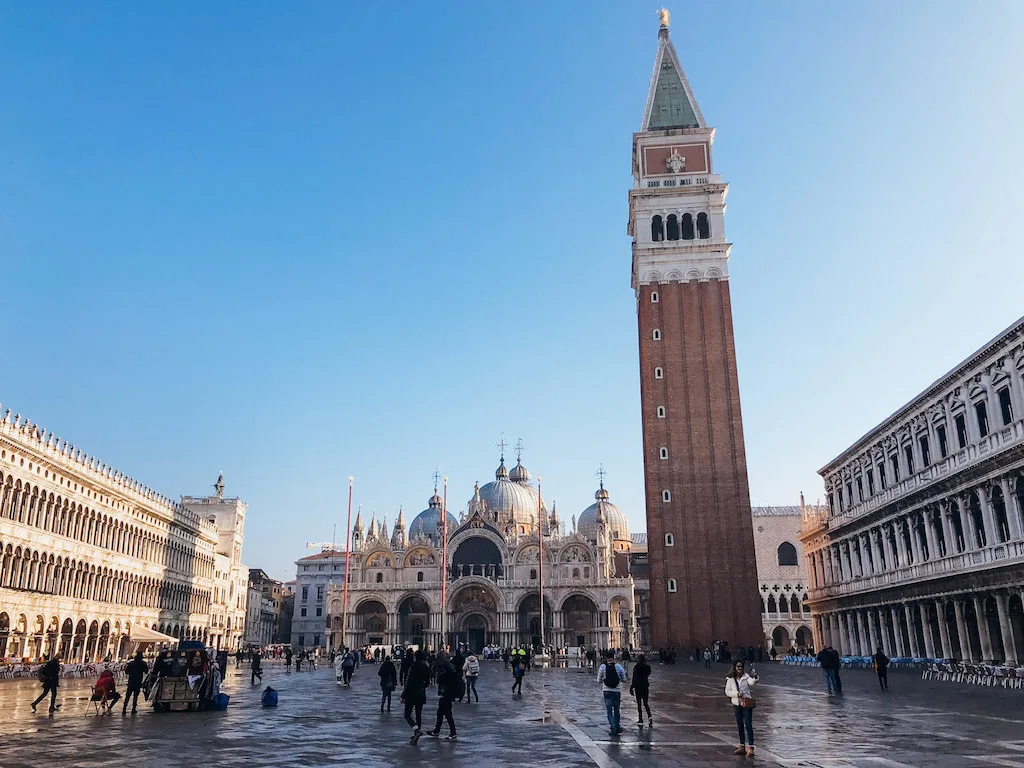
611,675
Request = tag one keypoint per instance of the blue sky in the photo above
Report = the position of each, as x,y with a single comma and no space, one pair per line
295,242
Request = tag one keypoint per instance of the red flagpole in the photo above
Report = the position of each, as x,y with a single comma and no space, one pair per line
540,560
348,545
444,564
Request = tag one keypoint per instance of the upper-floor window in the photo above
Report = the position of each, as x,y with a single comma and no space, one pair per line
661,411
981,411
672,585
871,482
320,592
860,489
881,474
305,593
787,554
703,226
657,229
687,227
908,451
672,227
961,429
1005,406
380,578
654,297
895,460
656,335
666,495
670,540
659,373
533,573
940,433
926,456
419,575
663,453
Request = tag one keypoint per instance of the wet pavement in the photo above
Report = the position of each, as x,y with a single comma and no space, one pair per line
559,721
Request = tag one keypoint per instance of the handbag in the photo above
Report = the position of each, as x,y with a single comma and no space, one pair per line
747,702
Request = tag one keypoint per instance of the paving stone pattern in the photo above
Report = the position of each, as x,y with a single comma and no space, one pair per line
559,721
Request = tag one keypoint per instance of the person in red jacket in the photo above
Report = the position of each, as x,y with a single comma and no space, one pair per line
105,691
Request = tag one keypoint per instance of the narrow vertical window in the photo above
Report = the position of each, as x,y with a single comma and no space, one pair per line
654,297
895,461
1005,405
940,432
703,228
908,451
666,495
663,453
687,227
981,411
961,430
926,454
871,482
657,229
672,227
656,335
671,585
670,540
659,374
661,411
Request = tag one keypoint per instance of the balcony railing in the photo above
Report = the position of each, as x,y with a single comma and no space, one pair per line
961,562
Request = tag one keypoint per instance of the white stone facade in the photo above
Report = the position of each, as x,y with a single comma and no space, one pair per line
921,549
313,576
494,573
87,554
782,577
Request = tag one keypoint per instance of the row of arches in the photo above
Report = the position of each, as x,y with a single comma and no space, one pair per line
30,505
32,570
685,227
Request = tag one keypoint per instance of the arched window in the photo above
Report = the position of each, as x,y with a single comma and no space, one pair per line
661,411
783,604
787,554
772,606
419,575
794,604
659,373
533,573
666,495
670,540
671,585
575,573
657,229
380,578
654,297
687,227
672,227
703,227
656,335
663,453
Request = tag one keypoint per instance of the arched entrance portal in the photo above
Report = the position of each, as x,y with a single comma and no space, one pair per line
529,621
579,615
369,624
413,620
474,610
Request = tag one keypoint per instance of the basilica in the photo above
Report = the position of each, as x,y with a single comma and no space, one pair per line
482,579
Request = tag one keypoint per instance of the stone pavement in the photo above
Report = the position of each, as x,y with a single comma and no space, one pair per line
559,721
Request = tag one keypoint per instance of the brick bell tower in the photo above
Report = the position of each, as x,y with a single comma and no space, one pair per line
701,543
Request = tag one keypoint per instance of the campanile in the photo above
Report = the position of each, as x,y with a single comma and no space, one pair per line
701,545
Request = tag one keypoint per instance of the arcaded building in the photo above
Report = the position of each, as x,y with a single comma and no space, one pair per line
703,581
921,549
88,554
499,551
782,577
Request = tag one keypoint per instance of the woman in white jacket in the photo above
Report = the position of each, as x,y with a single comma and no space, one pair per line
472,673
737,688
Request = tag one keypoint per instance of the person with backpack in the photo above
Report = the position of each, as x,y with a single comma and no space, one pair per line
49,677
348,666
449,687
136,671
472,673
640,687
388,682
881,664
415,694
518,671
610,675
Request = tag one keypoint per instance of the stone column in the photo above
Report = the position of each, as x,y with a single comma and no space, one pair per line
988,515
847,632
915,648
901,544
1012,513
890,556
865,637
961,629
876,549
837,636
967,521
1010,650
901,649
947,528
929,532
987,652
940,612
926,630
915,538
874,634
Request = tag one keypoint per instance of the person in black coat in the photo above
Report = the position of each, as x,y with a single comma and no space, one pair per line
449,684
415,694
49,676
640,687
388,682
135,672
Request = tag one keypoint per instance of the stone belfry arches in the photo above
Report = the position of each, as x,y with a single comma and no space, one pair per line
703,580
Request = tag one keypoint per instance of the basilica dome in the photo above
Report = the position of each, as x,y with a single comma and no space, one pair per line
615,518
426,521
510,498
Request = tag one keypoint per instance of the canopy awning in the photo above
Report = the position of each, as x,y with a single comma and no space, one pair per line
143,634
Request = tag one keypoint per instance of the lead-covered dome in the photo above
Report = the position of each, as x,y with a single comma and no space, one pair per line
614,518
425,522
510,498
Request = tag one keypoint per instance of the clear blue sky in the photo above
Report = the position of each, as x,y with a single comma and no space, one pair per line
299,241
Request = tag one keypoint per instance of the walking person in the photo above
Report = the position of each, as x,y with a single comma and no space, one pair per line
415,694
388,682
737,688
881,662
472,673
407,659
257,669
707,658
135,671
348,666
449,688
49,677
640,687
827,667
518,671
610,674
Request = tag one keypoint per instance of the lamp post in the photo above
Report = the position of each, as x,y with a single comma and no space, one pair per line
348,545
540,561
444,563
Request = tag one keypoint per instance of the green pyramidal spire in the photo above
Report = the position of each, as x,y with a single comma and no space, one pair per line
670,103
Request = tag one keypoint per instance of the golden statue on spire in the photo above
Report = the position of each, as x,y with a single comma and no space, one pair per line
665,17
